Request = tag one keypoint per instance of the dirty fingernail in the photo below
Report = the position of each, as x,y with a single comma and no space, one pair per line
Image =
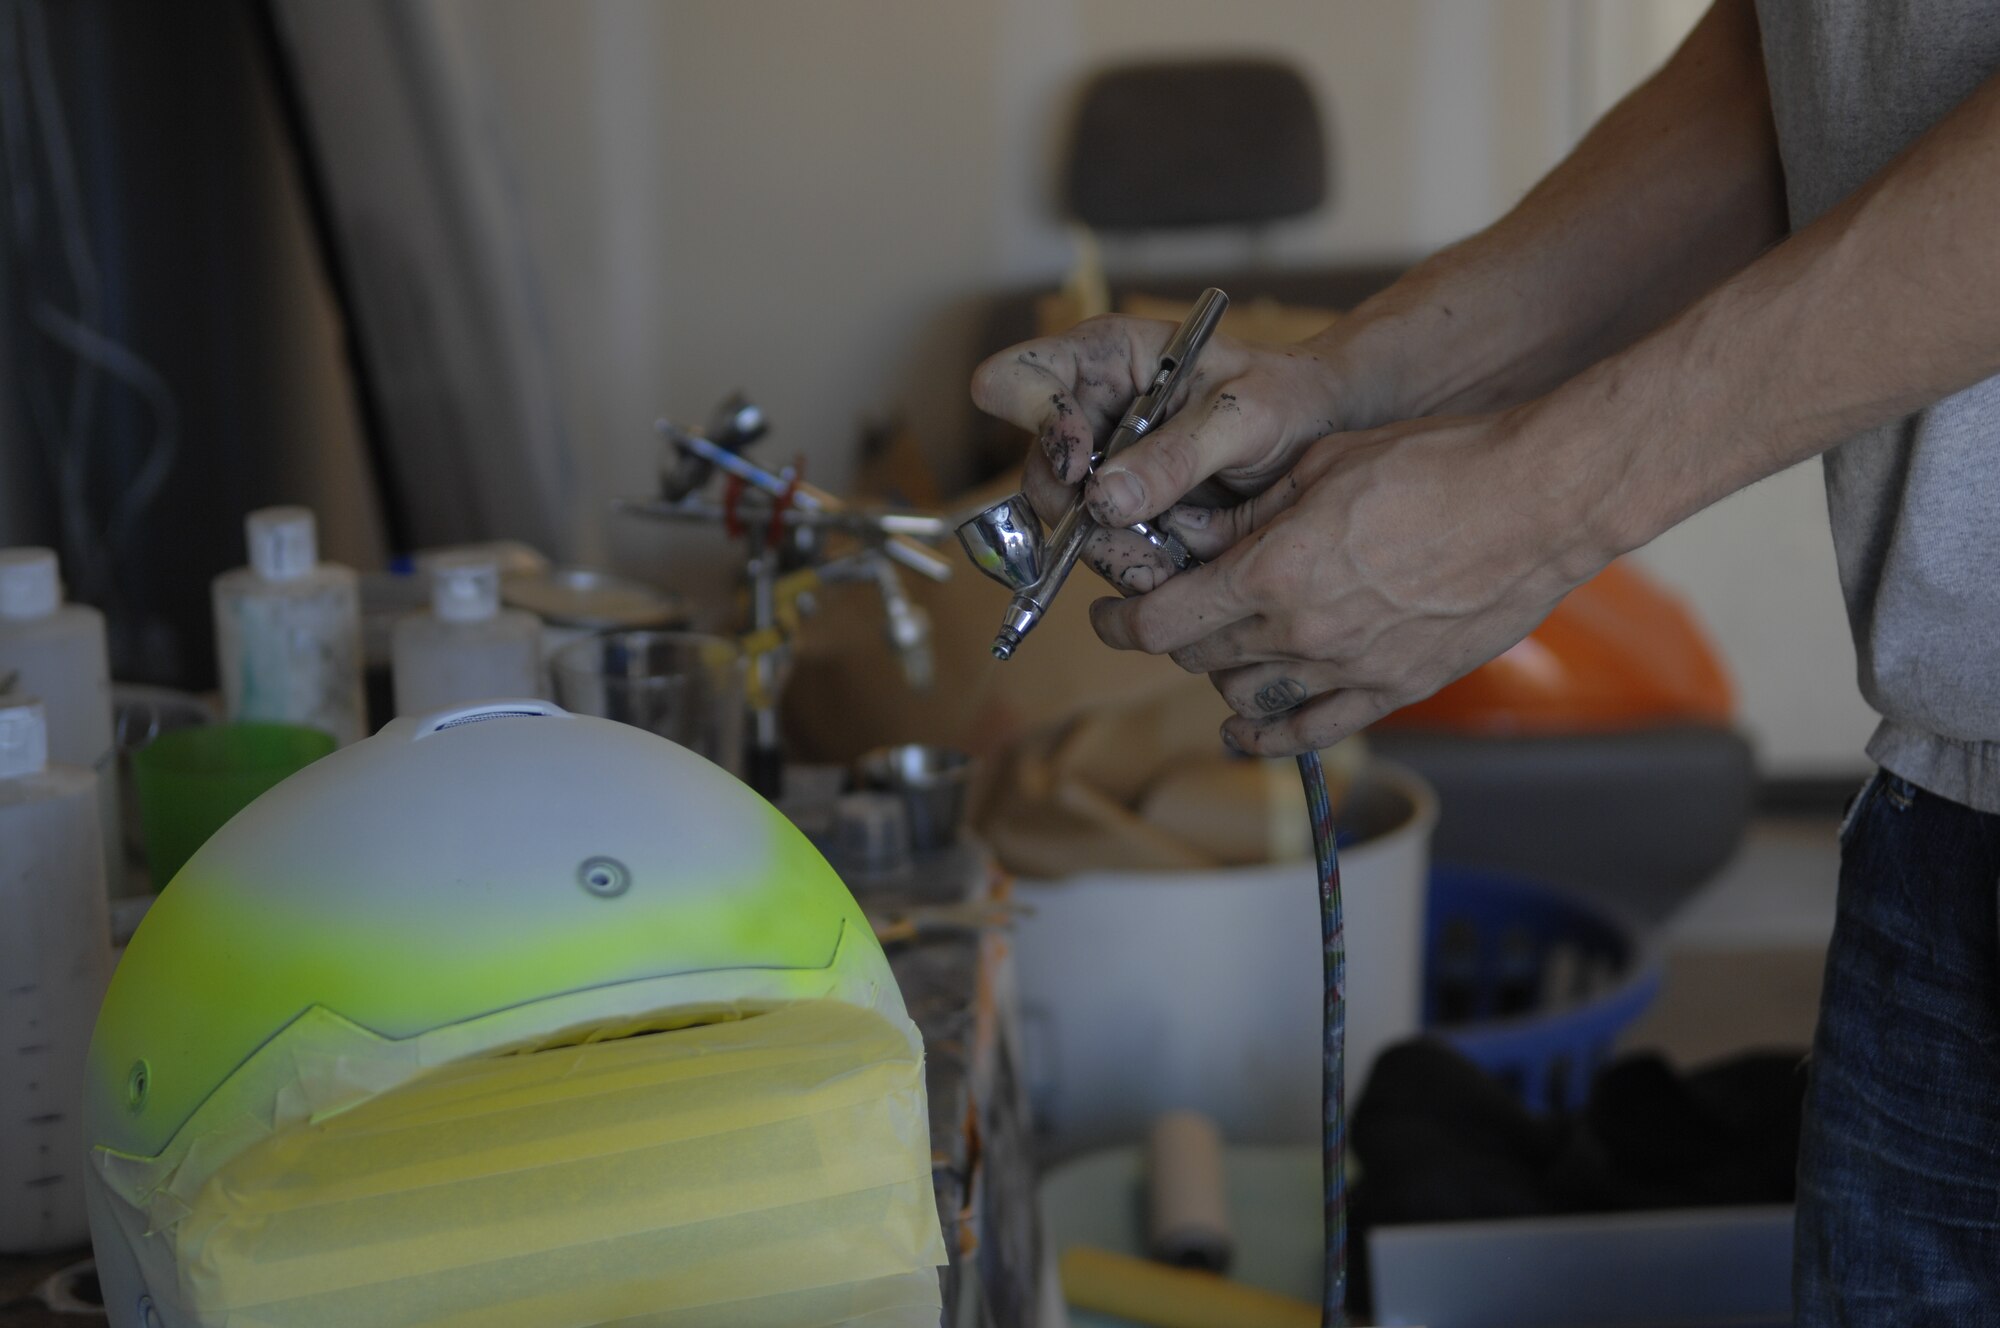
1056,448
1139,578
1229,741
1189,517
1117,496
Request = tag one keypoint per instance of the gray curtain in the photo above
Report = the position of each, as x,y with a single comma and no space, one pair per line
172,350
438,273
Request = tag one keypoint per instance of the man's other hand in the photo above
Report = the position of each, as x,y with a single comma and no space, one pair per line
1381,567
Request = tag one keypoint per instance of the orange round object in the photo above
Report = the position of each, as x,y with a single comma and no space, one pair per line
1620,652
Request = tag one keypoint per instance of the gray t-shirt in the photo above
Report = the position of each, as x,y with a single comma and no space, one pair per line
1915,504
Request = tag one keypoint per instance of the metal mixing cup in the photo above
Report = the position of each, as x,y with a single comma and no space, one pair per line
685,686
932,782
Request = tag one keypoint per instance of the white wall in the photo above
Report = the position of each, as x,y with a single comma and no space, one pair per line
812,199
809,200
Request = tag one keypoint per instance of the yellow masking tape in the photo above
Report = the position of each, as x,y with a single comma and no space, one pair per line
700,1178
1155,1293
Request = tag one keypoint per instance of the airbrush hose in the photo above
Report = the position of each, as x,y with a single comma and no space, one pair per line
1333,1044
1005,542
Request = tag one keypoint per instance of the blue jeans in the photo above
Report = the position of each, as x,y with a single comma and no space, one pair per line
1899,1165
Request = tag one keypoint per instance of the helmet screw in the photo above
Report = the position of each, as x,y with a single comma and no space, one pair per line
607,878
138,1084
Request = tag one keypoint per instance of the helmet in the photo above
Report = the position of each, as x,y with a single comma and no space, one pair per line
504,1010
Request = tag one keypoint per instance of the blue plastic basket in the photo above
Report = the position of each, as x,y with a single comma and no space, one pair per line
1531,983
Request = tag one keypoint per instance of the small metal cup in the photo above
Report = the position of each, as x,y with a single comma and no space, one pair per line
1005,542
871,835
684,686
932,783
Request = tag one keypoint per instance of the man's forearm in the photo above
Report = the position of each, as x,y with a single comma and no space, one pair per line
1676,187
1882,306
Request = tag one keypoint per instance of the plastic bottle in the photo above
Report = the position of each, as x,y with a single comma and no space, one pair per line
55,652
55,955
288,631
467,648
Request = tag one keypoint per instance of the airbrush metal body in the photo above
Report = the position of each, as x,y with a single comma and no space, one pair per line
1005,541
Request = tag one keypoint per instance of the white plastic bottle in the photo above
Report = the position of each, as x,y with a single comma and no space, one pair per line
55,960
467,648
288,631
55,652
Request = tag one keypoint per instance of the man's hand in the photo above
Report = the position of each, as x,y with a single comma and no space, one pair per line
1247,413
1392,561
1676,188
1383,566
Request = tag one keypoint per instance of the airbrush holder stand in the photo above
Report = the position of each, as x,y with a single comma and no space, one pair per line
784,522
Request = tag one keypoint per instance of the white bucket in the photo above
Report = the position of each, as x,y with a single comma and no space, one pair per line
1145,992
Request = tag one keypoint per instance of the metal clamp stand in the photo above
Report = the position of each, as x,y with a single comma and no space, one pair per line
784,521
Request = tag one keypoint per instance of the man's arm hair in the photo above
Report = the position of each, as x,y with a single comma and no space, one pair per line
1677,187
1885,304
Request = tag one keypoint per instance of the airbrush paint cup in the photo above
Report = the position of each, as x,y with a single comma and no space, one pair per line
1005,542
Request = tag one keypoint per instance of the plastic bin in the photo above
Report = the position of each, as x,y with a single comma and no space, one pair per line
1530,982
1144,992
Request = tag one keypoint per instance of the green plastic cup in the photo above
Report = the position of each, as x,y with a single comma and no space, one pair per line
192,781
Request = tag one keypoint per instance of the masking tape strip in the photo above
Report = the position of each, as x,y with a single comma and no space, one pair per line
640,1180
321,1063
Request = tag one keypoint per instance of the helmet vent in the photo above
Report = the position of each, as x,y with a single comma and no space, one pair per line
460,721
479,714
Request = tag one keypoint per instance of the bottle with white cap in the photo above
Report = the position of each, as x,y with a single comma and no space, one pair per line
288,631
55,651
467,648
55,962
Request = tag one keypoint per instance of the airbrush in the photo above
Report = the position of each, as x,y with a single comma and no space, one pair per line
1005,541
